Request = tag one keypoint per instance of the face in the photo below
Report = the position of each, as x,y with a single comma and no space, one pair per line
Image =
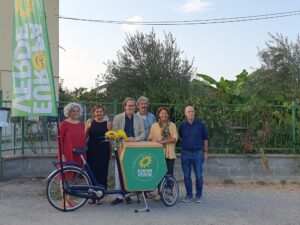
99,113
75,112
163,116
129,107
189,113
143,106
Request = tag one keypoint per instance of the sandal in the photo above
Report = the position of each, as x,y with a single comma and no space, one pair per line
98,202
91,201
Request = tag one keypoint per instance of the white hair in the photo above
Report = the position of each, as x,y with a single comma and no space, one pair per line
142,99
71,106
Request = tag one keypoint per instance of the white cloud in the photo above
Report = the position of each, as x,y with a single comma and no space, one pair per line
192,6
132,28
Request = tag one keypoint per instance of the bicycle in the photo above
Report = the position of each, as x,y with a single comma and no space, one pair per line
71,185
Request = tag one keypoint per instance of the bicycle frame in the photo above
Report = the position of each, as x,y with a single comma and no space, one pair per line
87,191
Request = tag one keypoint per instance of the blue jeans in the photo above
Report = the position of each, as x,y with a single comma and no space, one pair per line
195,160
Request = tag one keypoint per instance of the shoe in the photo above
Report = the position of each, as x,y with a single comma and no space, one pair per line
187,199
116,201
157,198
198,199
128,200
149,195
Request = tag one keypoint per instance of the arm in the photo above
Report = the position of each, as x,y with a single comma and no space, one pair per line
109,127
87,127
141,130
205,149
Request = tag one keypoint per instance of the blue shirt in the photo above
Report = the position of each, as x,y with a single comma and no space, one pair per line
129,129
148,121
192,135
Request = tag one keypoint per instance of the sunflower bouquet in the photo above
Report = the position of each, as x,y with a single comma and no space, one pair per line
117,138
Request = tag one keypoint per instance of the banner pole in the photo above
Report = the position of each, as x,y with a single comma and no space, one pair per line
60,150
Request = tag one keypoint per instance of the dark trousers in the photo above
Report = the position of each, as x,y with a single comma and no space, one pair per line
170,166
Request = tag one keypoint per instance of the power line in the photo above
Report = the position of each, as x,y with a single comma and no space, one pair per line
191,22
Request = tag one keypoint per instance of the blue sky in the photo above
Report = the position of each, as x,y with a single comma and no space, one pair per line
217,49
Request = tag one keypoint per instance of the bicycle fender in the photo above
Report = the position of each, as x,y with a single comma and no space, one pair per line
57,170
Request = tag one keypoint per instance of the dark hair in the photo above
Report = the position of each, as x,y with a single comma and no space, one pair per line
128,99
97,107
160,109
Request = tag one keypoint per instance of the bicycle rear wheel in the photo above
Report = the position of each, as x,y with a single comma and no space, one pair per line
169,191
72,177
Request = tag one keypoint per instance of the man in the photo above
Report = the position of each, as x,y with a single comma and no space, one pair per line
194,145
148,118
133,126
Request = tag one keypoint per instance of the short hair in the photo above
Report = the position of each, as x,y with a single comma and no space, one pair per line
142,99
160,109
97,107
128,99
71,106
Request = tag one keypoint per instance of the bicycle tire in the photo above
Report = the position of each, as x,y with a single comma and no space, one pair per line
54,188
169,191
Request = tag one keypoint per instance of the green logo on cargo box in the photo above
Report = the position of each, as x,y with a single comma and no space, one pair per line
145,166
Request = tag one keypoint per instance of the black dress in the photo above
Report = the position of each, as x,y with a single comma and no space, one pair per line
98,153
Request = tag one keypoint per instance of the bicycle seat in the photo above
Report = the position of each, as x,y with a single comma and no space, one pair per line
80,150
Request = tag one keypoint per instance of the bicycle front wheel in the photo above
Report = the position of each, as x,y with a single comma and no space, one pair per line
169,191
71,177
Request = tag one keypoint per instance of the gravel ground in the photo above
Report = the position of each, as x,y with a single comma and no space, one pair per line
24,202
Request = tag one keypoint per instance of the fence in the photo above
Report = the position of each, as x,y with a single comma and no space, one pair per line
232,128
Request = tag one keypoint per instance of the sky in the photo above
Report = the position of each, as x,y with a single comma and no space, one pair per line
217,49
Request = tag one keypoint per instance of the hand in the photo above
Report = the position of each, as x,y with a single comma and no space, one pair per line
205,155
131,139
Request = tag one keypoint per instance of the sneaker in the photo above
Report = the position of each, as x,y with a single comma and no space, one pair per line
187,199
198,199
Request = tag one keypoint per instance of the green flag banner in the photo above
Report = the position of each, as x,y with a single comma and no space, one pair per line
33,83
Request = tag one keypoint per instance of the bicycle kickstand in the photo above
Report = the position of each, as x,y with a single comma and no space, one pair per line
146,209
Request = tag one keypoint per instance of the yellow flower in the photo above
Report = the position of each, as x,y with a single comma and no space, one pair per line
121,134
111,135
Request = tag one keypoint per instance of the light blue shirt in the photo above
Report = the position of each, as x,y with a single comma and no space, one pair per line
148,121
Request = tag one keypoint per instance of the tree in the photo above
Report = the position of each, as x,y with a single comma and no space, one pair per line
278,79
147,66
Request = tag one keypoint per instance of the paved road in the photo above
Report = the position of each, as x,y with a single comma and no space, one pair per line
24,202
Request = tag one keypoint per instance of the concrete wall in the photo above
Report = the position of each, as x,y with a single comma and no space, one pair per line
219,168
6,28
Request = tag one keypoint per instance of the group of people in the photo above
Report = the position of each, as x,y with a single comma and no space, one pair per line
141,126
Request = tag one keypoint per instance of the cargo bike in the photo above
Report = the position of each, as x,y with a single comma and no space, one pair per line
142,168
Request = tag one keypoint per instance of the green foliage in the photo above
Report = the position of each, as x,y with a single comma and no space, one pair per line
277,81
150,67
226,91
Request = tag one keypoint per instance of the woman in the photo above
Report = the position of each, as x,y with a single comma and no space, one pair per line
165,133
71,136
99,151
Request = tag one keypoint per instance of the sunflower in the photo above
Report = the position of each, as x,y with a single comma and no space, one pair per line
121,135
39,61
111,135
24,8
145,161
